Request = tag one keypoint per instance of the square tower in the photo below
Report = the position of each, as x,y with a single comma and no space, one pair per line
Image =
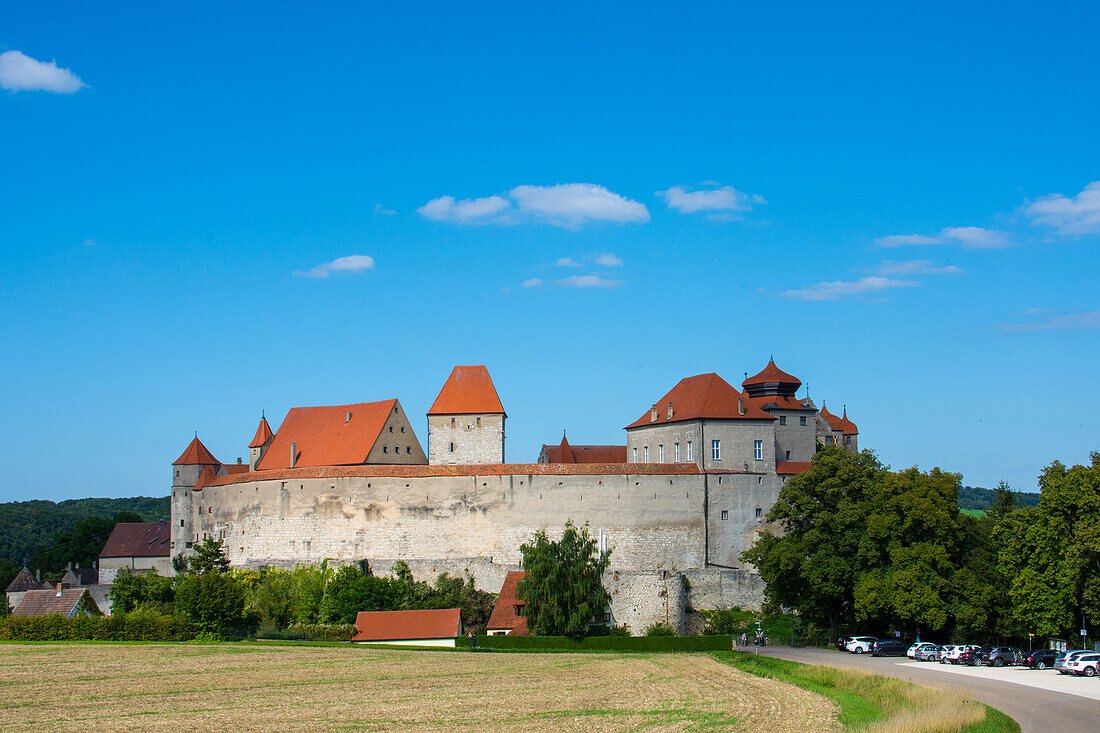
466,421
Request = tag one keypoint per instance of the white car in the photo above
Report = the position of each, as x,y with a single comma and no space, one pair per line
1086,664
1062,663
912,653
860,644
951,654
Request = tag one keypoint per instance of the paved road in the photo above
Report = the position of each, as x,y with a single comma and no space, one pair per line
1033,707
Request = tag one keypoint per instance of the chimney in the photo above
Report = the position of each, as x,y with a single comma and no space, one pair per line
740,405
293,453
70,567
38,575
347,417
238,460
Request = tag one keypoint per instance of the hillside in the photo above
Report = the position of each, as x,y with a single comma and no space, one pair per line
26,526
976,499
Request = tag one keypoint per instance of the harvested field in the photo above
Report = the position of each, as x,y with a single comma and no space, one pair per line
247,687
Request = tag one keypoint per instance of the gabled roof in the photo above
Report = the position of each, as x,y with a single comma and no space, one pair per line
263,432
504,614
47,602
206,475
771,374
705,396
467,391
408,625
24,580
325,436
81,576
196,454
138,539
566,453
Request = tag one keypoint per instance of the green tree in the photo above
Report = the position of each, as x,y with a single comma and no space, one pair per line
208,556
814,565
213,600
133,590
563,585
350,591
81,545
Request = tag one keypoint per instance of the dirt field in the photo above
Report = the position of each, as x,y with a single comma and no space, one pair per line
105,687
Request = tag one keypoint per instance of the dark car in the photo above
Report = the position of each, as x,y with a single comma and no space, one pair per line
999,656
971,657
842,643
1041,658
888,648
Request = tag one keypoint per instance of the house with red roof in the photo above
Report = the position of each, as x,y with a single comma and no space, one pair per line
507,617
140,547
409,628
565,452
466,420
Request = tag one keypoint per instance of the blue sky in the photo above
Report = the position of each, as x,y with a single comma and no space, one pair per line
894,201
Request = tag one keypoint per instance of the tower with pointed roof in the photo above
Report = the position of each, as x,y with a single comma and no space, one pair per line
776,392
260,443
195,466
466,421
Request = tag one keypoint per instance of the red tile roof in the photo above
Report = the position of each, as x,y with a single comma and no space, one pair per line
324,436
24,580
779,402
196,454
846,425
408,625
790,468
504,614
706,396
487,469
566,453
138,539
468,390
263,432
47,602
206,475
833,420
771,374
235,468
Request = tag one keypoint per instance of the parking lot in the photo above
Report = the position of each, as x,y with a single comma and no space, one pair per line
1037,700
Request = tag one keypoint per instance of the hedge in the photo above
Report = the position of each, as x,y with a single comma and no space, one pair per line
604,643
308,632
137,626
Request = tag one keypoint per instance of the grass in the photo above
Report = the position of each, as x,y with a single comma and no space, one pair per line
880,704
183,687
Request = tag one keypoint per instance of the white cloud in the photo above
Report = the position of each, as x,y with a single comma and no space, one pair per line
725,198
1077,215
351,263
566,205
840,289
468,211
533,283
90,242
19,73
609,260
1086,321
914,267
567,262
572,204
966,237
588,281
383,211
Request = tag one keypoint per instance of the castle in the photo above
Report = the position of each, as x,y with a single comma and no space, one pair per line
687,493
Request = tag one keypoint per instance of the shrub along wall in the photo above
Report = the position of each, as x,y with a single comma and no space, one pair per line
128,627
605,643
308,632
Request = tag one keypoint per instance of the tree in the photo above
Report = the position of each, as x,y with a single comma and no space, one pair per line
80,545
213,600
350,591
563,585
814,565
208,556
133,590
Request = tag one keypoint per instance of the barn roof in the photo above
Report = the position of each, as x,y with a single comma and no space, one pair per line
330,435
138,539
407,625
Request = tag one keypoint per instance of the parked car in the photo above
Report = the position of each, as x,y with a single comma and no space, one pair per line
860,644
999,656
1061,662
888,648
930,653
912,652
1084,664
842,643
972,657
952,653
1041,658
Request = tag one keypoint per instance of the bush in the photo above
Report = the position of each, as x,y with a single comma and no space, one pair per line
142,625
660,630
308,632
601,643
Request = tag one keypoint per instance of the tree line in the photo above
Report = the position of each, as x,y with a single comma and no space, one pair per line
868,549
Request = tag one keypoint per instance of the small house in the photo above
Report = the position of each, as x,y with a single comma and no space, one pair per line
507,617
19,586
409,628
136,546
68,602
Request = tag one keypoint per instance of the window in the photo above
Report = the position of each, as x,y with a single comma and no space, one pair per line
189,545
452,422
847,440
677,449
661,453
408,449
181,522
391,428
402,428
787,456
716,450
759,513
782,419
689,451
635,455
479,422
725,514
452,447
385,449
801,419
758,450
645,454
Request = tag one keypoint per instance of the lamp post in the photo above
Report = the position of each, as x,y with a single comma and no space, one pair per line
1029,638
